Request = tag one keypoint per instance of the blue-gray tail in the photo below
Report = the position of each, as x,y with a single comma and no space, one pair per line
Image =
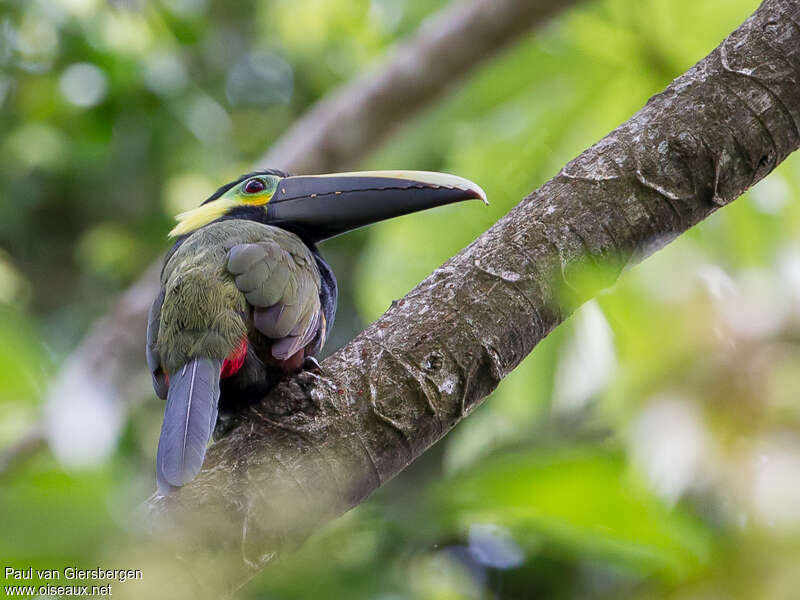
189,420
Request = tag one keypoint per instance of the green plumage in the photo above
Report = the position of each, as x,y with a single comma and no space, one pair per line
205,308
228,281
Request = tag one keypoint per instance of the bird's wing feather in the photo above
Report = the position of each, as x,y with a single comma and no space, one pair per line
151,350
281,281
301,336
189,420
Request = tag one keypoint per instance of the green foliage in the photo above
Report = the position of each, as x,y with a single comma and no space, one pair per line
647,448
583,500
51,519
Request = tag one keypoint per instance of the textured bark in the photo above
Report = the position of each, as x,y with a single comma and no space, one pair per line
321,442
333,135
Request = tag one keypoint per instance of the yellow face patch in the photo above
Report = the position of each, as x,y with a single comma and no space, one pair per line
194,219
257,200
254,191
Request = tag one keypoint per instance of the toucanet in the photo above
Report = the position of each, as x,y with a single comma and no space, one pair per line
246,298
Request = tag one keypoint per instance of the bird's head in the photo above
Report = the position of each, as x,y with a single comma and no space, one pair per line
319,207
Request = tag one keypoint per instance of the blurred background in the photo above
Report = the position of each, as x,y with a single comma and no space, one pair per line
648,448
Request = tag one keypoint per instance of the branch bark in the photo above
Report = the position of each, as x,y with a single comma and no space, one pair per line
320,443
336,133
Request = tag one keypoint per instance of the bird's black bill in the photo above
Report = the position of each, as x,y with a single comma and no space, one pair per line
323,206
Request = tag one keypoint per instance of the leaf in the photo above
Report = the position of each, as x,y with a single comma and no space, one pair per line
585,501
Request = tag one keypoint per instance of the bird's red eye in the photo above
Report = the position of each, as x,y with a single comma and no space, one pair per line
254,186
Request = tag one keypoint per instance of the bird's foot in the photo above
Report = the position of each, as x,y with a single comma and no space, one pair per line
311,364
226,421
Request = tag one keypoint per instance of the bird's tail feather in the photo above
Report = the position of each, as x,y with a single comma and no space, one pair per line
189,420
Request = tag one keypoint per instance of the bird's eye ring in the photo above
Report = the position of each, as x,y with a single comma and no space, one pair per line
254,186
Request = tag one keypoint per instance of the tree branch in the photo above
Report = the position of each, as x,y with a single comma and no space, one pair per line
344,127
29,443
336,133
320,443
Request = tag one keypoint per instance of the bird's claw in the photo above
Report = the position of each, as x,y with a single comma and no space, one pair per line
311,364
226,421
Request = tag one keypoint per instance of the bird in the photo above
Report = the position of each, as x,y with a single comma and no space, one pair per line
246,298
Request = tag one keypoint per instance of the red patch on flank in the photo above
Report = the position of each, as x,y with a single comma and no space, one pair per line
235,360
